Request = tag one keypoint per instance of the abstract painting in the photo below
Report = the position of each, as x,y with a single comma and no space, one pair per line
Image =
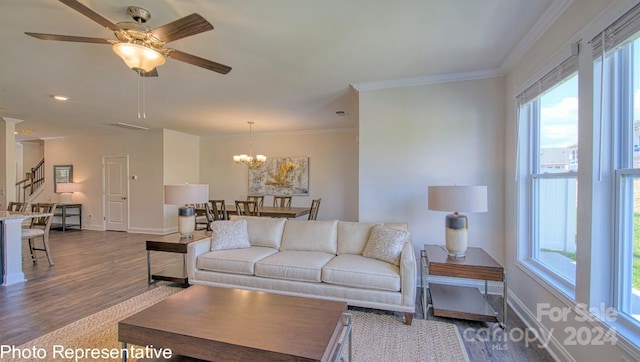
280,176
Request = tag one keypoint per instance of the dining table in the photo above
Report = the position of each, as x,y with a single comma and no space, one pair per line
270,211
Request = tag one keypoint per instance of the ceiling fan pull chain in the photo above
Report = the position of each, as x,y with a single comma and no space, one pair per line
139,80
144,95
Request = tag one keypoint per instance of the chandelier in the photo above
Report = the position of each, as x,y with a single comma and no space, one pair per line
250,161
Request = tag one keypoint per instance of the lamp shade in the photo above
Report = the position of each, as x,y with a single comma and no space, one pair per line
65,187
138,57
186,194
458,198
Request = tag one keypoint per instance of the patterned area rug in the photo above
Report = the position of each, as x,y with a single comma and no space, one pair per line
375,337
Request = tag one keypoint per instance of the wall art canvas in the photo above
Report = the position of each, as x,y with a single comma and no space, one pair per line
280,176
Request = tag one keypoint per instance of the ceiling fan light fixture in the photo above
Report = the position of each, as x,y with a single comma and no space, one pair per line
139,57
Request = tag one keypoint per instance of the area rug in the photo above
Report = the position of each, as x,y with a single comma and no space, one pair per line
383,337
375,336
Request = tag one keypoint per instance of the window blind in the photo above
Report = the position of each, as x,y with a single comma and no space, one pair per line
549,80
619,32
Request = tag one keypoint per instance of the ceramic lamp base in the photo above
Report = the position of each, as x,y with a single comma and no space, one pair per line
456,235
186,221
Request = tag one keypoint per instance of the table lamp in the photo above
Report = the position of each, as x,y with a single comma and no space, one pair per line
186,195
67,189
457,199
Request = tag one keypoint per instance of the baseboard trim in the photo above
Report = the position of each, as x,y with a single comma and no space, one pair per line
554,347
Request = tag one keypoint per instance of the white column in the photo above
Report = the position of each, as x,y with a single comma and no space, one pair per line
12,251
7,161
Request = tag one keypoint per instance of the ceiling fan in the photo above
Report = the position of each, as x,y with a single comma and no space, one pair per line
143,48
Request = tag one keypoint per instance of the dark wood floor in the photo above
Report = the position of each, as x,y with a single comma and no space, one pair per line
94,270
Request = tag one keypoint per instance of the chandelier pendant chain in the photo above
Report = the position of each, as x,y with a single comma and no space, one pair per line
250,143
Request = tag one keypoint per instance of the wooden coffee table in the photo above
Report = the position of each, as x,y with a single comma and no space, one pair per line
231,324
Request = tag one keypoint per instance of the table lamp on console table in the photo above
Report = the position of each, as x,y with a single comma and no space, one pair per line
66,189
186,195
457,199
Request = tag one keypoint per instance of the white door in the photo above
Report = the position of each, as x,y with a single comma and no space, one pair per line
116,194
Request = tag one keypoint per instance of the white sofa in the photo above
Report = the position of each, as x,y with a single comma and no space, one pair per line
322,259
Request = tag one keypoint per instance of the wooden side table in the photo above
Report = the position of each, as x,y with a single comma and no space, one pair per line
172,243
456,301
63,211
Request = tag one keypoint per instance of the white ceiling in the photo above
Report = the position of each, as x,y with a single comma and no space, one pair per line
293,60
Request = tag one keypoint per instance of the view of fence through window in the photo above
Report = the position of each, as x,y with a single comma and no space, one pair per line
556,188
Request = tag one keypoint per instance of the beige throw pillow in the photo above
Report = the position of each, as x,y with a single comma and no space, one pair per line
229,235
385,244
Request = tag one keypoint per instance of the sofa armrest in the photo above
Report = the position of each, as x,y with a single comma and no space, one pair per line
408,274
195,249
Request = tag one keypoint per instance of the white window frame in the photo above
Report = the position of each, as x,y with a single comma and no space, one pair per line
621,151
529,121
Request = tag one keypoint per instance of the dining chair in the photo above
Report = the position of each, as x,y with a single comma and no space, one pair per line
17,206
248,208
257,198
204,217
315,206
282,201
39,228
219,210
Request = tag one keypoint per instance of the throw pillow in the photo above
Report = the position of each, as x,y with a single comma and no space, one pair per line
385,244
229,235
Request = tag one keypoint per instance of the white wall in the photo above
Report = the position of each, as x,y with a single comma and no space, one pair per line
581,21
181,160
333,167
32,153
440,134
158,157
144,150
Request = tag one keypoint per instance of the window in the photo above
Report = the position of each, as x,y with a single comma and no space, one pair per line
620,78
550,177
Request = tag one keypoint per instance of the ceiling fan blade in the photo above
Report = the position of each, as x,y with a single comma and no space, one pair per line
75,5
79,39
197,61
189,25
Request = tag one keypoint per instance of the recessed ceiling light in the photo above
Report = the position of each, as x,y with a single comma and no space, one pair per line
60,98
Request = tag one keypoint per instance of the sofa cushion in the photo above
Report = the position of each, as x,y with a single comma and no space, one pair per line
353,236
235,261
263,231
294,265
360,272
385,244
229,235
304,235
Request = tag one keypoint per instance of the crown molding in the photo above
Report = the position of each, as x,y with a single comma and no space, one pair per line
427,80
551,15
533,35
